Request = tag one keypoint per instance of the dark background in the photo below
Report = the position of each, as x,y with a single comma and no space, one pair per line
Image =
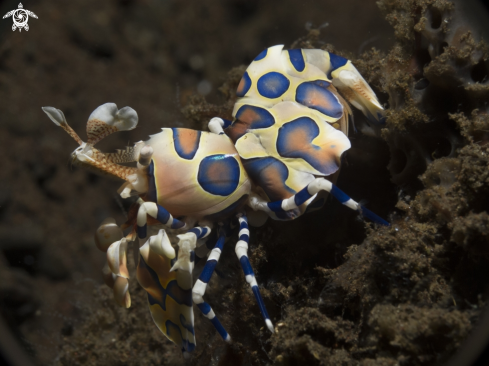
150,55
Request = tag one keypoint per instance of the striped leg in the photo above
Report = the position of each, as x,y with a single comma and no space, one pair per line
242,253
199,288
158,212
281,208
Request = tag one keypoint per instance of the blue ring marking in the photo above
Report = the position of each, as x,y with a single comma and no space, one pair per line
297,59
244,85
290,146
316,97
275,206
272,85
255,117
204,308
163,215
260,302
244,237
152,194
219,174
141,231
220,329
261,55
302,196
179,142
339,194
263,170
196,231
186,324
208,270
177,224
245,264
172,289
243,225
373,217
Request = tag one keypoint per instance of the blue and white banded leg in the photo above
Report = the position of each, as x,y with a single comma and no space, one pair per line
200,286
242,254
280,209
159,213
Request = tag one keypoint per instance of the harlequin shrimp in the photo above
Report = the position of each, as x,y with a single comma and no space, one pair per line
274,158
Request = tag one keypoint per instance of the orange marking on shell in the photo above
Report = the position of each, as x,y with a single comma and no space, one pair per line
272,183
218,172
317,99
188,139
241,86
300,141
249,116
236,130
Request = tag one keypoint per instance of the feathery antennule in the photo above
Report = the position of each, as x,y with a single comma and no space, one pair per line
102,122
59,119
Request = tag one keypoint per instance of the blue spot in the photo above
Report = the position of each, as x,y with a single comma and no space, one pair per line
273,85
255,117
314,96
219,174
261,55
244,86
297,59
152,194
186,142
294,141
